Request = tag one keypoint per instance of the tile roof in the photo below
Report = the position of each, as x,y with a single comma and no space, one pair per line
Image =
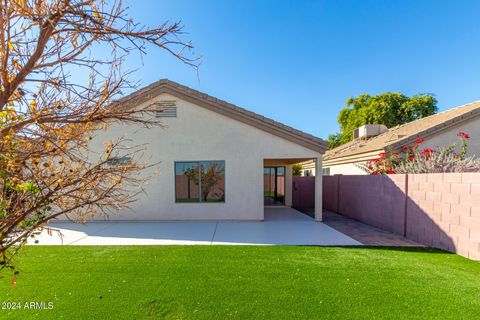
406,133
240,114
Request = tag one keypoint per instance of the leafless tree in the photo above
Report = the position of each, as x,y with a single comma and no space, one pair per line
47,117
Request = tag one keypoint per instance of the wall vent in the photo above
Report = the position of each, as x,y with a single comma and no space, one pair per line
166,109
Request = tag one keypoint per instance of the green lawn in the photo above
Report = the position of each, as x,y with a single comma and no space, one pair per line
205,282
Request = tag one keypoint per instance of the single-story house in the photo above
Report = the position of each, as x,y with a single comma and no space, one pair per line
438,130
216,161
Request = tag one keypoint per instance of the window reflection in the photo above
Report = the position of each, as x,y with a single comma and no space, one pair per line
200,181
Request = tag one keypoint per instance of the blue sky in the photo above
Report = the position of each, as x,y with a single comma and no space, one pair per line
298,61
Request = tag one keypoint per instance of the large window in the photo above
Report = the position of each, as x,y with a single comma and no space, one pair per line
200,181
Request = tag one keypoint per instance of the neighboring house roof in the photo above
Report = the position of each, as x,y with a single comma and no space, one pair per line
227,109
405,134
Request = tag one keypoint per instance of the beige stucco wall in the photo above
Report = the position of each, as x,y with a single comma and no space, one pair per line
449,136
311,171
348,168
199,134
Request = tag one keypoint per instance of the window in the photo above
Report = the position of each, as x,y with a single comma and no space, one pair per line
325,171
115,161
200,181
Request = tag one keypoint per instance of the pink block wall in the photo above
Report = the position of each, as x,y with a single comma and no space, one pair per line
438,210
330,192
303,192
375,199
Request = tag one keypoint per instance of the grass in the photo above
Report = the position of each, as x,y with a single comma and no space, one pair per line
208,282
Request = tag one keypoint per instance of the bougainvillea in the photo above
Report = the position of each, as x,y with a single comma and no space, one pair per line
413,159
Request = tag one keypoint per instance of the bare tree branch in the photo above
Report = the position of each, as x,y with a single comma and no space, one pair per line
47,118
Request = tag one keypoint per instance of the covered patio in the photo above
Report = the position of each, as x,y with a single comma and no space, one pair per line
282,226
278,184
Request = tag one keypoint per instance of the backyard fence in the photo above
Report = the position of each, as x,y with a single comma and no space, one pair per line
437,210
303,193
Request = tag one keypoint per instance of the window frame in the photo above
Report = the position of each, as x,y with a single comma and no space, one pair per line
200,181
120,160
325,171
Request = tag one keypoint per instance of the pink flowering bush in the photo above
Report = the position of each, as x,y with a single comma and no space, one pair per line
412,159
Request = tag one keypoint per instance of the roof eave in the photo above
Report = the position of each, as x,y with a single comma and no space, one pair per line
169,87
436,129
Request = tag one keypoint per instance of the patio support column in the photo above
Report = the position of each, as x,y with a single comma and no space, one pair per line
318,188
288,185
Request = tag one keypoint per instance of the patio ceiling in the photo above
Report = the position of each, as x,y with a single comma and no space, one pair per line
280,161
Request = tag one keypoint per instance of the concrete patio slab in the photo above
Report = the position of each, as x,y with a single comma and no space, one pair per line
152,233
282,226
69,232
278,233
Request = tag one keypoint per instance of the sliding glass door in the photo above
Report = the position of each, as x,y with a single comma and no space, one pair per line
274,185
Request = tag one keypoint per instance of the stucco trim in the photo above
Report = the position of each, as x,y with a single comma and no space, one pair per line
363,157
165,86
